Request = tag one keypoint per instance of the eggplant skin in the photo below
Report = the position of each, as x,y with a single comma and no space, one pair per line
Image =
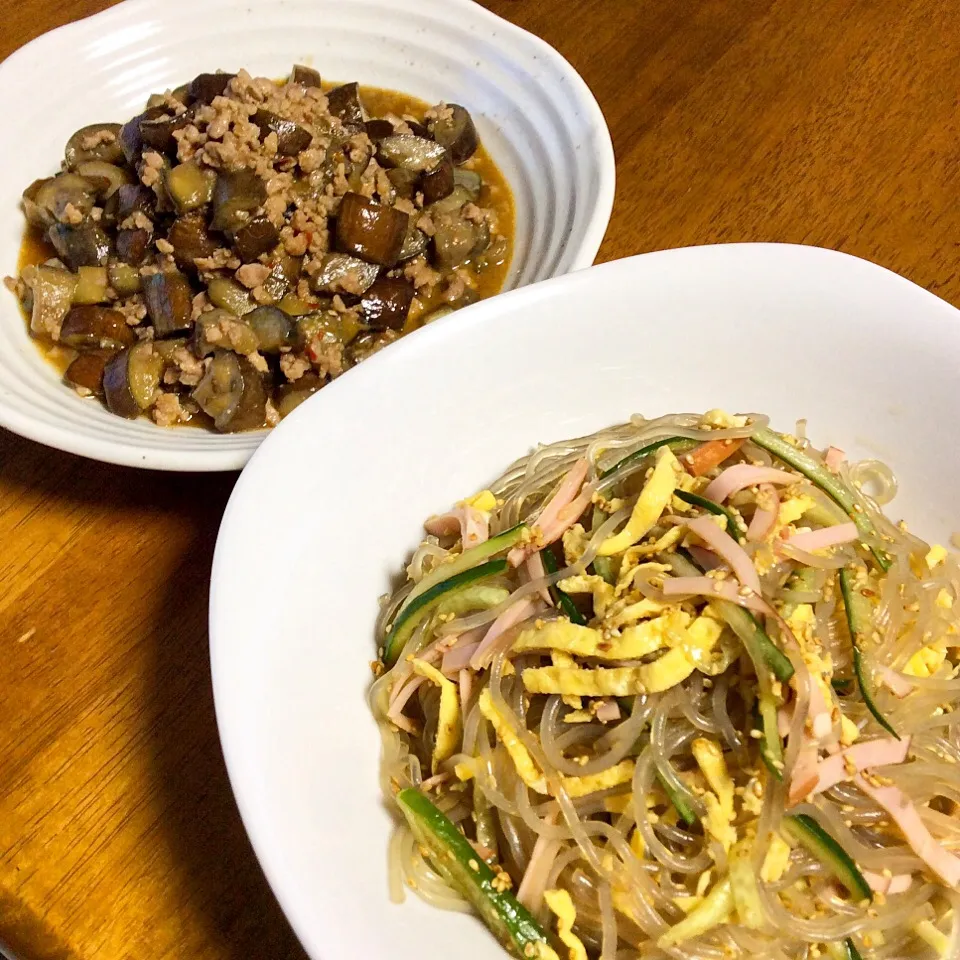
371,231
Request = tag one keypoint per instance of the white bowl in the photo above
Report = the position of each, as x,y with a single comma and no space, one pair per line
534,114
869,358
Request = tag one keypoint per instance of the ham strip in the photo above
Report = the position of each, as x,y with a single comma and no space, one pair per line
902,810
864,756
514,614
555,517
728,548
742,475
895,883
472,525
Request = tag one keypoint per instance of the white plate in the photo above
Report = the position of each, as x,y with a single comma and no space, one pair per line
327,511
534,113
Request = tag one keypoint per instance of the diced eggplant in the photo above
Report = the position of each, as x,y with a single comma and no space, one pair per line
340,273
378,130
132,245
206,86
236,197
124,278
257,237
86,371
294,306
189,186
386,304
108,211
91,285
229,295
96,328
49,297
452,203
405,182
169,300
326,326
62,197
284,273
456,132
221,330
131,380
191,239
157,132
438,183
367,344
470,180
371,231
344,103
35,216
289,396
130,136
232,393
96,141
274,328
107,178
415,243
419,130
135,198
456,239
305,76
85,245
409,152
291,137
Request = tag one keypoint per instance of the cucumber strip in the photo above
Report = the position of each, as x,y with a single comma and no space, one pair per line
478,597
603,566
842,685
414,612
677,444
679,800
854,605
469,558
826,481
809,834
734,526
771,746
460,865
561,598
852,952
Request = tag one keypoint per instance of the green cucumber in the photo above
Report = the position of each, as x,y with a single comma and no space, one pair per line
478,597
461,866
770,744
413,613
469,558
842,685
734,526
604,567
679,800
561,598
854,604
677,444
852,952
826,481
810,835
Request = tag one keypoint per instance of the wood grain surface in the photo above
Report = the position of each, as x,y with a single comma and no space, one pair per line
829,122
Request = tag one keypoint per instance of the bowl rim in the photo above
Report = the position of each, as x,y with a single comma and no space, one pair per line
236,454
252,809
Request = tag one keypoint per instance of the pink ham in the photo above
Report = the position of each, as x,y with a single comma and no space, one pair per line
764,518
832,458
516,613
472,525
824,537
864,756
728,548
742,475
535,571
903,812
555,517
711,587
888,886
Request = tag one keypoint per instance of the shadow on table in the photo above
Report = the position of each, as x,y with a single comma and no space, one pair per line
220,898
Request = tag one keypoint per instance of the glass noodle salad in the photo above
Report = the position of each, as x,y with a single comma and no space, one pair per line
679,689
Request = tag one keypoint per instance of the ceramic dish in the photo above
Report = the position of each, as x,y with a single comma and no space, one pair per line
867,357
534,114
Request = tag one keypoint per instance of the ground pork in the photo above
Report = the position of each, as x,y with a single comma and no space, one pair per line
293,366
167,410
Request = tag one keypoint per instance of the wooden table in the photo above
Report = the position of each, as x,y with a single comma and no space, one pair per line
829,122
